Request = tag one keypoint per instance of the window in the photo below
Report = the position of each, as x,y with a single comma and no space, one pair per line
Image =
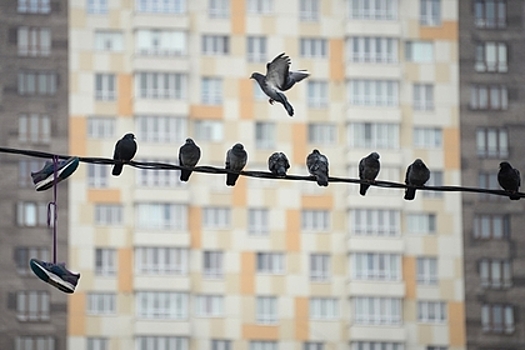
270,263
32,306
213,264
324,309
377,310
372,49
208,130
155,342
32,214
375,345
97,6
97,175
430,12
495,273
105,261
109,41
39,83
35,342
419,51
492,142
162,306
34,41
215,45
427,271
101,127
157,177
162,216
376,266
491,57
487,226
436,179
34,6
155,6
161,128
489,97
263,345
497,318
490,13
428,138
34,128
209,305
489,181
431,311
154,42
97,343
313,346
309,10
105,87
265,135
319,267
373,9
23,254
216,217
421,223
322,133
260,7
266,312
161,261
375,222
258,222
433,347
101,303
108,214
160,86
373,135
317,94
25,167
217,344
313,48
219,8
315,220
423,97
377,93
257,49
211,91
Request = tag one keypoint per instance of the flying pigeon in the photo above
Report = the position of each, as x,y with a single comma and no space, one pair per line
189,155
368,169
279,78
125,150
417,175
317,164
278,164
236,158
509,178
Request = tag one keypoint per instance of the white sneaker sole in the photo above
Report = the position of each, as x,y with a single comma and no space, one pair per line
57,281
42,185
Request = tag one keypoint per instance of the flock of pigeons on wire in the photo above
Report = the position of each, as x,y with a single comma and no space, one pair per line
280,78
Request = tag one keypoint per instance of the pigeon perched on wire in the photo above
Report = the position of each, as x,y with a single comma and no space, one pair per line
236,159
279,78
189,155
368,170
125,150
509,179
278,163
417,175
317,164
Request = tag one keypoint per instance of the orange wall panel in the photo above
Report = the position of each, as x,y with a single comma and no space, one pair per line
409,275
451,145
125,95
246,87
125,270
247,272
337,72
325,201
77,135
456,316
76,321
206,112
195,227
238,16
447,31
299,143
258,332
104,196
302,325
293,230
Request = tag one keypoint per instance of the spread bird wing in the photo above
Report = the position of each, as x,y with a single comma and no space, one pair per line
277,71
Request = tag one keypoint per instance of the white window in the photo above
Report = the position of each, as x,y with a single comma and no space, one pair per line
105,261
97,175
433,347
313,48
161,128
34,41
155,6
260,7
219,8
256,49
156,42
220,344
373,135
263,345
436,179
376,266
322,133
373,9
34,128
309,10
23,254
266,312
320,267
492,142
430,12
97,6
211,91
377,310
25,167
497,318
431,311
488,180
324,309
317,94
372,49
162,306
209,130
108,214
270,263
491,57
488,226
423,97
377,93
105,87
258,222
490,13
422,223
157,177
215,45
489,97
419,51
155,342
160,86
101,303
427,270
216,217
375,222
97,343
32,214
265,135
315,220
101,127
428,138
162,216
209,305
32,306
161,261
213,264
34,6
109,41
376,345
35,342
495,273
40,83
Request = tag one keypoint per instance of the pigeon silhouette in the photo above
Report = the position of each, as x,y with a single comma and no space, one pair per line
279,78
417,174
509,179
278,164
317,164
189,155
369,167
236,159
125,150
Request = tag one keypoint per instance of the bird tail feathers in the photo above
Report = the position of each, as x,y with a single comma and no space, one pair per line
231,179
410,194
299,75
117,169
322,180
363,188
185,175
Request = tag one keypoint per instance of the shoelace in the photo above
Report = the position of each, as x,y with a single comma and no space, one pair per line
53,207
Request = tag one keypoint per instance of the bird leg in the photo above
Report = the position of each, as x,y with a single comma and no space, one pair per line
271,101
